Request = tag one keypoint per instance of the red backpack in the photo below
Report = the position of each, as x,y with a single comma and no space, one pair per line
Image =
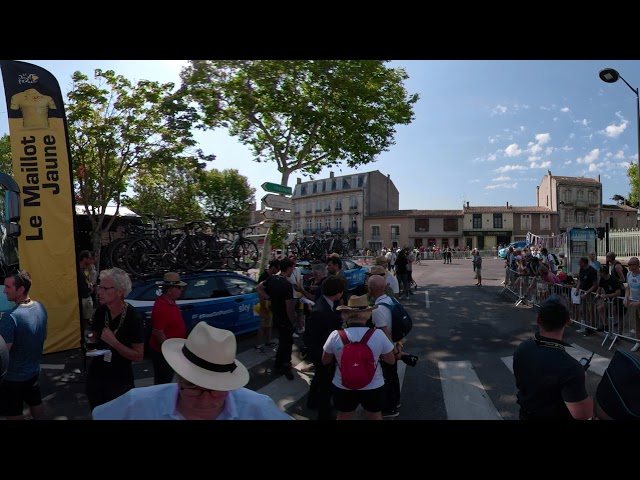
357,365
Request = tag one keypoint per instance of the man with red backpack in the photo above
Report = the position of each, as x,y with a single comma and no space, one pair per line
357,351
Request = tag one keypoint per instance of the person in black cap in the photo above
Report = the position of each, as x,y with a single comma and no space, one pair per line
550,382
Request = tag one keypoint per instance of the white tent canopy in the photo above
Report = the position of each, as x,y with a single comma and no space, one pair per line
110,210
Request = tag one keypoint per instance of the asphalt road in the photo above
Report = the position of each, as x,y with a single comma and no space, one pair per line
462,331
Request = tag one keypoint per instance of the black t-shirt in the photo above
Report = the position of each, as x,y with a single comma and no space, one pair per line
611,285
279,290
586,277
263,276
547,377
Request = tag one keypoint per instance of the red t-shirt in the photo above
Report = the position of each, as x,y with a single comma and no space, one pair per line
167,317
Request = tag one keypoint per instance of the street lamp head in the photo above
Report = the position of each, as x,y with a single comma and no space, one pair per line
609,75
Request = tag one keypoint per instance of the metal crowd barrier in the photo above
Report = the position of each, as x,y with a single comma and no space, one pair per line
607,316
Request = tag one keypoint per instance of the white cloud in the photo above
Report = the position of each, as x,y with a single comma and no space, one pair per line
512,150
619,155
508,168
590,157
501,185
501,178
565,109
567,148
546,164
568,162
584,122
499,110
614,130
594,166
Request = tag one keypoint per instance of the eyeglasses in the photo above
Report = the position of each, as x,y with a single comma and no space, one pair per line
100,287
194,390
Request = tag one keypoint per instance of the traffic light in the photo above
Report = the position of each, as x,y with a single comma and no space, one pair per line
600,231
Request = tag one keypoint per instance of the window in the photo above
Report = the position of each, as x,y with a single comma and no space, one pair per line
327,223
567,195
568,216
361,180
318,206
591,218
296,208
477,220
237,285
333,184
450,224
354,181
375,231
345,183
592,197
353,203
298,226
525,221
303,190
308,210
338,223
545,221
580,217
315,188
318,224
580,197
309,224
327,186
327,205
497,220
338,204
422,224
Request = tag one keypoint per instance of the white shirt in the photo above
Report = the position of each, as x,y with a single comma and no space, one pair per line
378,343
295,279
393,283
382,316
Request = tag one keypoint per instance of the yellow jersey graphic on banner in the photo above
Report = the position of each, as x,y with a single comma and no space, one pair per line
34,106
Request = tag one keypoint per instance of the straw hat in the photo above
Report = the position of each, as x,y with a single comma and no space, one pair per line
381,260
171,279
207,358
377,270
357,304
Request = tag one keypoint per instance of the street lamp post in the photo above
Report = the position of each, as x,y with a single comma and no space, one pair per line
609,75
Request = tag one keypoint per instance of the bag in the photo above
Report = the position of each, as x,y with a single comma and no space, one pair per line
555,259
618,393
401,323
357,365
625,270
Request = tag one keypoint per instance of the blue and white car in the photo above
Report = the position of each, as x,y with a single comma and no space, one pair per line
220,298
355,273
502,253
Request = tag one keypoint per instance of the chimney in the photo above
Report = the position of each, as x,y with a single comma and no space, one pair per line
330,174
467,204
299,181
507,204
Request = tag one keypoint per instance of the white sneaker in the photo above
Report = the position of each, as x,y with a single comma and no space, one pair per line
636,347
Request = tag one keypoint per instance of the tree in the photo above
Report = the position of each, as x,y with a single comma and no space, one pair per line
619,199
632,173
227,197
305,115
5,155
117,129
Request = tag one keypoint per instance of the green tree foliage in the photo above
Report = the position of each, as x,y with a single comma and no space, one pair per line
303,114
226,197
168,190
118,129
5,155
619,199
632,173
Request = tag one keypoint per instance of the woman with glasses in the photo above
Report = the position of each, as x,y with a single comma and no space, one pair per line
117,338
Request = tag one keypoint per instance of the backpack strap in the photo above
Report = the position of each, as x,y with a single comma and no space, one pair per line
367,336
343,336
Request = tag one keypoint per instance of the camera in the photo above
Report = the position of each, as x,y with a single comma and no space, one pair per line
586,362
410,360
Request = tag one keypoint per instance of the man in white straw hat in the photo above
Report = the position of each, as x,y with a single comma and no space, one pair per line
210,385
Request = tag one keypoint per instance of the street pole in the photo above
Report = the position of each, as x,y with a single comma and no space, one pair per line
609,75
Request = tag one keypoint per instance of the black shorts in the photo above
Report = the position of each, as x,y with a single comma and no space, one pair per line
13,396
348,400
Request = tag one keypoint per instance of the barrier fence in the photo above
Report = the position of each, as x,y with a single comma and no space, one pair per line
596,314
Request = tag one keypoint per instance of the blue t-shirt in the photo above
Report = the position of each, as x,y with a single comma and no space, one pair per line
26,329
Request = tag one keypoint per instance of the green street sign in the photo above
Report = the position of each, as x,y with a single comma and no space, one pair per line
275,188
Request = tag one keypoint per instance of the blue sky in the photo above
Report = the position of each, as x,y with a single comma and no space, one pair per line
485,131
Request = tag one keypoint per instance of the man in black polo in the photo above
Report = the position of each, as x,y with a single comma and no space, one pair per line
550,382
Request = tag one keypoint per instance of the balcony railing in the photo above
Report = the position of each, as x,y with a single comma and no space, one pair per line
353,229
375,236
394,236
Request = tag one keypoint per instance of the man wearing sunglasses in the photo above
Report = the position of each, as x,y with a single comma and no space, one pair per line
210,385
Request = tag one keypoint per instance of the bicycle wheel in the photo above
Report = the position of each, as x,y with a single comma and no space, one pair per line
117,252
245,254
199,251
144,257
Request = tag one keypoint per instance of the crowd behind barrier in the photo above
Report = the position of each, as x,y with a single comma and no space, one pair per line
609,317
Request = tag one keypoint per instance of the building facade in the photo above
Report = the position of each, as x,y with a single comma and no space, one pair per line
619,217
488,227
578,200
413,228
340,204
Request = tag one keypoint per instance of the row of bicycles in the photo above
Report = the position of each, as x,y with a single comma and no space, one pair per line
318,247
148,250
